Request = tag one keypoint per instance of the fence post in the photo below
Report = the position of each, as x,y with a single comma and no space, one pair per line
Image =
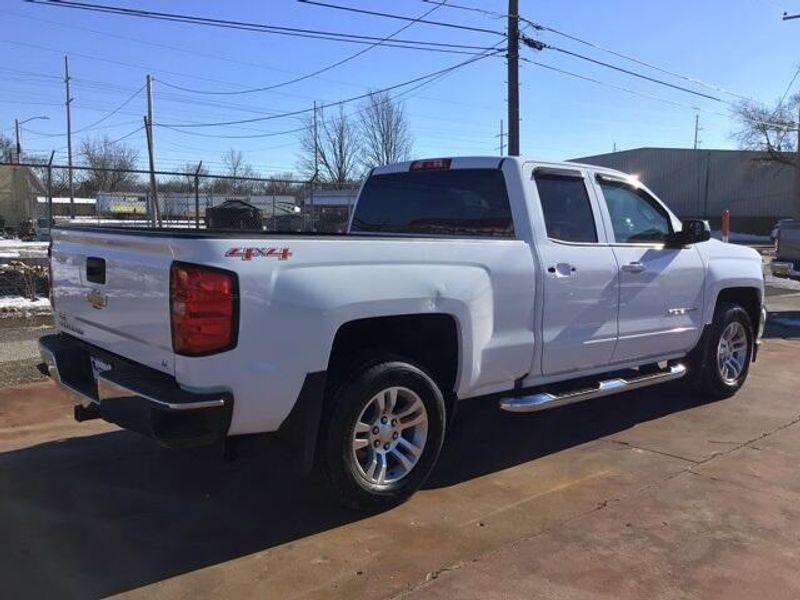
197,195
50,195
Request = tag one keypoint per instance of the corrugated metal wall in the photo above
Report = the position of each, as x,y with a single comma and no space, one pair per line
703,183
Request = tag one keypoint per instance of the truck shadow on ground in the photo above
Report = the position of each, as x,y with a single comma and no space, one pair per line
99,515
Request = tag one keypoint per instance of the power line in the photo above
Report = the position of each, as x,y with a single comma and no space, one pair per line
111,113
644,94
127,135
789,87
539,45
346,100
307,75
483,11
404,93
403,18
639,61
231,24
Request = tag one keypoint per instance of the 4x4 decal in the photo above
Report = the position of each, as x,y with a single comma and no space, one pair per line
250,253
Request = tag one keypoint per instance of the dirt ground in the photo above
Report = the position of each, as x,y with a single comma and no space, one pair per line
650,494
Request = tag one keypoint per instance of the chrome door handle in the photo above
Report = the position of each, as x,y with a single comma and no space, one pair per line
562,270
633,267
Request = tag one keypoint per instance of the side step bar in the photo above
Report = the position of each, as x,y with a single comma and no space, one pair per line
544,400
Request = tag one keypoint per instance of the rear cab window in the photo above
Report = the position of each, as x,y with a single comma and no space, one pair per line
470,203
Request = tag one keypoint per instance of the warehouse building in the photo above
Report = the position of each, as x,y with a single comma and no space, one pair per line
703,183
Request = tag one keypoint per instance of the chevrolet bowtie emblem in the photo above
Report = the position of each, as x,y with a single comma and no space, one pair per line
97,299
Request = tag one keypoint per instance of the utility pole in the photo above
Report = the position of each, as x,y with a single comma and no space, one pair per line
697,130
148,123
19,147
502,139
197,195
614,147
513,77
69,141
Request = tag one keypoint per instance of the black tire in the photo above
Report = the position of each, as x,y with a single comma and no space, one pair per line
338,461
705,375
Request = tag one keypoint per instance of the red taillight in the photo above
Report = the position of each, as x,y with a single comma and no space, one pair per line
204,307
430,164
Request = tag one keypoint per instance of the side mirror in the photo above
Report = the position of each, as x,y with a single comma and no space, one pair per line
694,231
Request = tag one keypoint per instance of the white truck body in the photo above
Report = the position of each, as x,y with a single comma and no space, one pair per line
528,309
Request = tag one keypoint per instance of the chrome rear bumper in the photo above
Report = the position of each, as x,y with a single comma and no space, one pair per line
134,396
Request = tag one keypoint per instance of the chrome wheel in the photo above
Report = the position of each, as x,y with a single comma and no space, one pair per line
732,352
390,435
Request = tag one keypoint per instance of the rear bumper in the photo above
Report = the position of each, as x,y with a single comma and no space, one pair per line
135,397
785,269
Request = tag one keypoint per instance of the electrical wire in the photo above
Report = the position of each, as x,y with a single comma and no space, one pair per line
681,88
231,24
639,61
643,94
344,101
403,18
127,135
307,75
112,113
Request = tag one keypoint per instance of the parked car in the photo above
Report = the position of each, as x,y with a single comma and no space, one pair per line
536,283
776,228
786,263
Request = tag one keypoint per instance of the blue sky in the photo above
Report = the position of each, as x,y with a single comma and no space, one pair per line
741,46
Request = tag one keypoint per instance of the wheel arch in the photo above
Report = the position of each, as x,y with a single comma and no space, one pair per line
748,297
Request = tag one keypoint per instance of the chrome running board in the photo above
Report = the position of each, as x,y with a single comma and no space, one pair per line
544,400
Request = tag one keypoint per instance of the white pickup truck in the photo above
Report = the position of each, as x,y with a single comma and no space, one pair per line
536,283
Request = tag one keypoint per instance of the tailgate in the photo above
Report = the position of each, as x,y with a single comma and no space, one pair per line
112,290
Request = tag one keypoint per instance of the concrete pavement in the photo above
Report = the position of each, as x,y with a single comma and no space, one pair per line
653,493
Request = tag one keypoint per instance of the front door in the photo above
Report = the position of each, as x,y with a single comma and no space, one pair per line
661,289
581,286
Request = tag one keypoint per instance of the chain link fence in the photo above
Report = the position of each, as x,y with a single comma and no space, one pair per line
33,197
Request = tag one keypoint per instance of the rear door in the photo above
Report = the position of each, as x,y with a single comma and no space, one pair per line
581,285
112,290
661,289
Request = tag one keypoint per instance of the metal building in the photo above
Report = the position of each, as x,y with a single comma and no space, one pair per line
703,183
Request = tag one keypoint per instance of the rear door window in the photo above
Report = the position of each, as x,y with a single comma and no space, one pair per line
459,202
567,209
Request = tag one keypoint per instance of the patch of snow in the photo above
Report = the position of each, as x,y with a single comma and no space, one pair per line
21,304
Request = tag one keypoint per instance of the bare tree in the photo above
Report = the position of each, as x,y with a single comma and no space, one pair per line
775,131
769,129
239,171
384,130
109,166
333,156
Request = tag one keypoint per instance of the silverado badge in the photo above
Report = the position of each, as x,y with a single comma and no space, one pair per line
97,299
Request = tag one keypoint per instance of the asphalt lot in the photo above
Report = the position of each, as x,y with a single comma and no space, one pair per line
652,493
